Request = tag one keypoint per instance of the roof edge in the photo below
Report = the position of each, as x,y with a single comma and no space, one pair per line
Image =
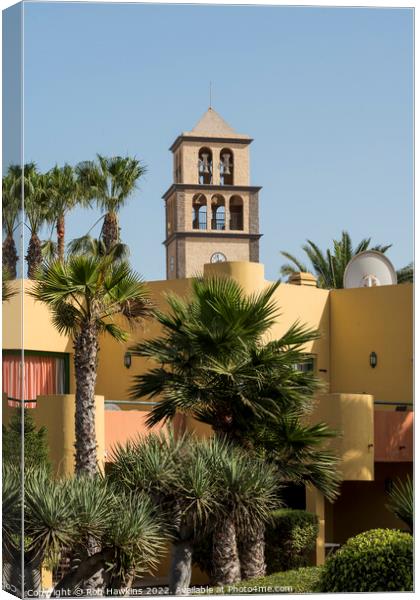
186,136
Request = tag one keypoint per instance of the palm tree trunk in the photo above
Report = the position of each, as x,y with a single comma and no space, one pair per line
110,231
87,569
180,575
34,256
10,256
226,567
85,364
60,237
120,585
252,554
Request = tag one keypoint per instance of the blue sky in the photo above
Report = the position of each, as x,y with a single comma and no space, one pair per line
325,93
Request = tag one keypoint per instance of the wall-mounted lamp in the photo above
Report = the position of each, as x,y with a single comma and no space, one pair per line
373,359
127,360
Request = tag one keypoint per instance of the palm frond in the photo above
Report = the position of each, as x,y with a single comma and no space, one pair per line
295,266
87,245
406,274
50,523
49,250
329,267
109,180
135,532
401,502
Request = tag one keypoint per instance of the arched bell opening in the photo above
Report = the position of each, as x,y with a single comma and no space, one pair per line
199,212
218,213
205,166
226,167
236,209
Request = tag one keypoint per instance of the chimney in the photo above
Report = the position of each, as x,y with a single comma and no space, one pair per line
302,279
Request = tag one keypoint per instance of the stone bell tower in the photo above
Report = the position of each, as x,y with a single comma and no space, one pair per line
211,210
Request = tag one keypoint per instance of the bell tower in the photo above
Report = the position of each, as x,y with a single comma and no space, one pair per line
211,209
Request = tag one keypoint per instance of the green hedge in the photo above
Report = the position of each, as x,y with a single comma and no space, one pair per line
379,560
299,581
290,539
36,446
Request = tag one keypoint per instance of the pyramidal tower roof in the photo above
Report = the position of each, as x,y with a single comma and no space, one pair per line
211,123
212,126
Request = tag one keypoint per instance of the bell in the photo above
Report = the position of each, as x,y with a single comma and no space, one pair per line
226,164
205,163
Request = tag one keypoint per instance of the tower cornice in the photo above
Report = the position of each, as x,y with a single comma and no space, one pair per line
210,188
187,137
238,235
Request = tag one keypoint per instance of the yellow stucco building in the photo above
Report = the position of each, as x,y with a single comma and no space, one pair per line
212,228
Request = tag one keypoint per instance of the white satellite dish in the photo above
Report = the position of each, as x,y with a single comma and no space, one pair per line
369,269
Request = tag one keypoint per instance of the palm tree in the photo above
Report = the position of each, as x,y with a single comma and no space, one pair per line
86,296
12,203
36,210
202,487
110,181
63,195
90,246
174,473
329,267
247,491
66,513
212,362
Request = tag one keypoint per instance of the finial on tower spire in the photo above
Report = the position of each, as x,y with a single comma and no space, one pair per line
210,95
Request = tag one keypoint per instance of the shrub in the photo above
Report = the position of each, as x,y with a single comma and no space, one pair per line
299,581
379,560
290,539
36,446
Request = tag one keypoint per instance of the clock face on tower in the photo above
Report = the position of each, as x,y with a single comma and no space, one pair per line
218,257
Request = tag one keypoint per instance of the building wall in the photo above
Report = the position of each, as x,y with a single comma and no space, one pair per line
114,379
56,413
310,307
38,332
378,319
361,504
352,415
185,207
199,251
189,161
352,323
186,257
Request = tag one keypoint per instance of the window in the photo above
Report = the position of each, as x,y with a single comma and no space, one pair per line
218,212
307,365
236,208
199,212
44,373
177,170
